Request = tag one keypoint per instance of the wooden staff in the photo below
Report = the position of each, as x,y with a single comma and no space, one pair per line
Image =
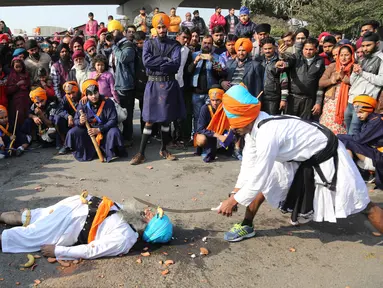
14,133
94,141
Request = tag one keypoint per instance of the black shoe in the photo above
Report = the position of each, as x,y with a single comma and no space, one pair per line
19,152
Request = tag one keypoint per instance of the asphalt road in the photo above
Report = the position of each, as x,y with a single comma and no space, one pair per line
345,254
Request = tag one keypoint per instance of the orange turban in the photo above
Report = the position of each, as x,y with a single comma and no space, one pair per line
364,103
70,86
216,93
38,93
86,84
161,18
240,106
245,43
2,108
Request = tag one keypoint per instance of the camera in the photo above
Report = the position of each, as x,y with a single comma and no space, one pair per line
109,37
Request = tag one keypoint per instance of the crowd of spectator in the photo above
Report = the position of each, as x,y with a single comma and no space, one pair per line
315,78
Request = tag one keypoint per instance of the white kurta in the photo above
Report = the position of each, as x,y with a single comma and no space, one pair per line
61,224
265,168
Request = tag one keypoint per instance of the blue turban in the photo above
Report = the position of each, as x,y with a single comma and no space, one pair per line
159,230
345,42
244,11
240,106
18,51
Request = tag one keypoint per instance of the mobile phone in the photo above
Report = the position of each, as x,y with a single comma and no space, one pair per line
204,56
281,42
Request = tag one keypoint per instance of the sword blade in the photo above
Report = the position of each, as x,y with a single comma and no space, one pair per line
173,210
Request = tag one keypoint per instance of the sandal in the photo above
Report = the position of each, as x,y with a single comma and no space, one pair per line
165,154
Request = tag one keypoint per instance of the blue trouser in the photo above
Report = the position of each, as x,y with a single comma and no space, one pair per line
198,101
351,120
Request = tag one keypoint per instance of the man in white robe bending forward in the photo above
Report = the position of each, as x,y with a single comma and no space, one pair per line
82,227
296,165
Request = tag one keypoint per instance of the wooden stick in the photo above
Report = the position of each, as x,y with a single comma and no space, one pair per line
14,133
94,141
259,95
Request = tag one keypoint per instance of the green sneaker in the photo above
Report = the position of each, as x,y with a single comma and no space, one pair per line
239,232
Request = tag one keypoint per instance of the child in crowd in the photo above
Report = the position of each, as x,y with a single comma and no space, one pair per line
18,87
45,82
367,146
104,78
19,142
41,116
64,119
3,85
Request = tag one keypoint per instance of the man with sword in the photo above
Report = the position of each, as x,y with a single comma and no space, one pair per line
296,165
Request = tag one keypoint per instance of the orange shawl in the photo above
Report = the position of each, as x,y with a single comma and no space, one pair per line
101,214
219,122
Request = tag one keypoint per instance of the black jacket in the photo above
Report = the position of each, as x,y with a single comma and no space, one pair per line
272,81
200,24
227,26
141,77
304,78
252,78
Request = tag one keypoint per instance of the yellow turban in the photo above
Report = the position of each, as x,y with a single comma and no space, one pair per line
70,86
153,31
161,18
364,103
115,25
38,93
86,84
2,108
245,43
216,93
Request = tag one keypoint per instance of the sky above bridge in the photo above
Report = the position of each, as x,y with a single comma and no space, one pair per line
27,18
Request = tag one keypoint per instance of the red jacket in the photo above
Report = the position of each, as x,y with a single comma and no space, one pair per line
216,20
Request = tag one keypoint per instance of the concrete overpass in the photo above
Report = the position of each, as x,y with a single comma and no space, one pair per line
128,8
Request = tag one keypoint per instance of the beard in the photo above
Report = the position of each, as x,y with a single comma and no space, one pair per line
369,55
162,37
132,215
118,37
218,43
36,55
80,66
65,59
205,50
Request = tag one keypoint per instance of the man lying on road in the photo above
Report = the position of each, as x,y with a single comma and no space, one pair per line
82,227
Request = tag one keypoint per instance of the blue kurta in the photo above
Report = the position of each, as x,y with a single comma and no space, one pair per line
78,139
163,101
61,117
366,143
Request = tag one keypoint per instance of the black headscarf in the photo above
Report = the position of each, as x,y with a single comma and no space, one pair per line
304,31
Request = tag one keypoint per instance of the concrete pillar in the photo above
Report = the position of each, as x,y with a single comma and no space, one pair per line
132,8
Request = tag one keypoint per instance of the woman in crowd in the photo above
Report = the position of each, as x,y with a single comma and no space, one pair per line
18,87
4,28
336,79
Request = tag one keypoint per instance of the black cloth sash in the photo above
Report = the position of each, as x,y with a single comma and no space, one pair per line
94,202
300,197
